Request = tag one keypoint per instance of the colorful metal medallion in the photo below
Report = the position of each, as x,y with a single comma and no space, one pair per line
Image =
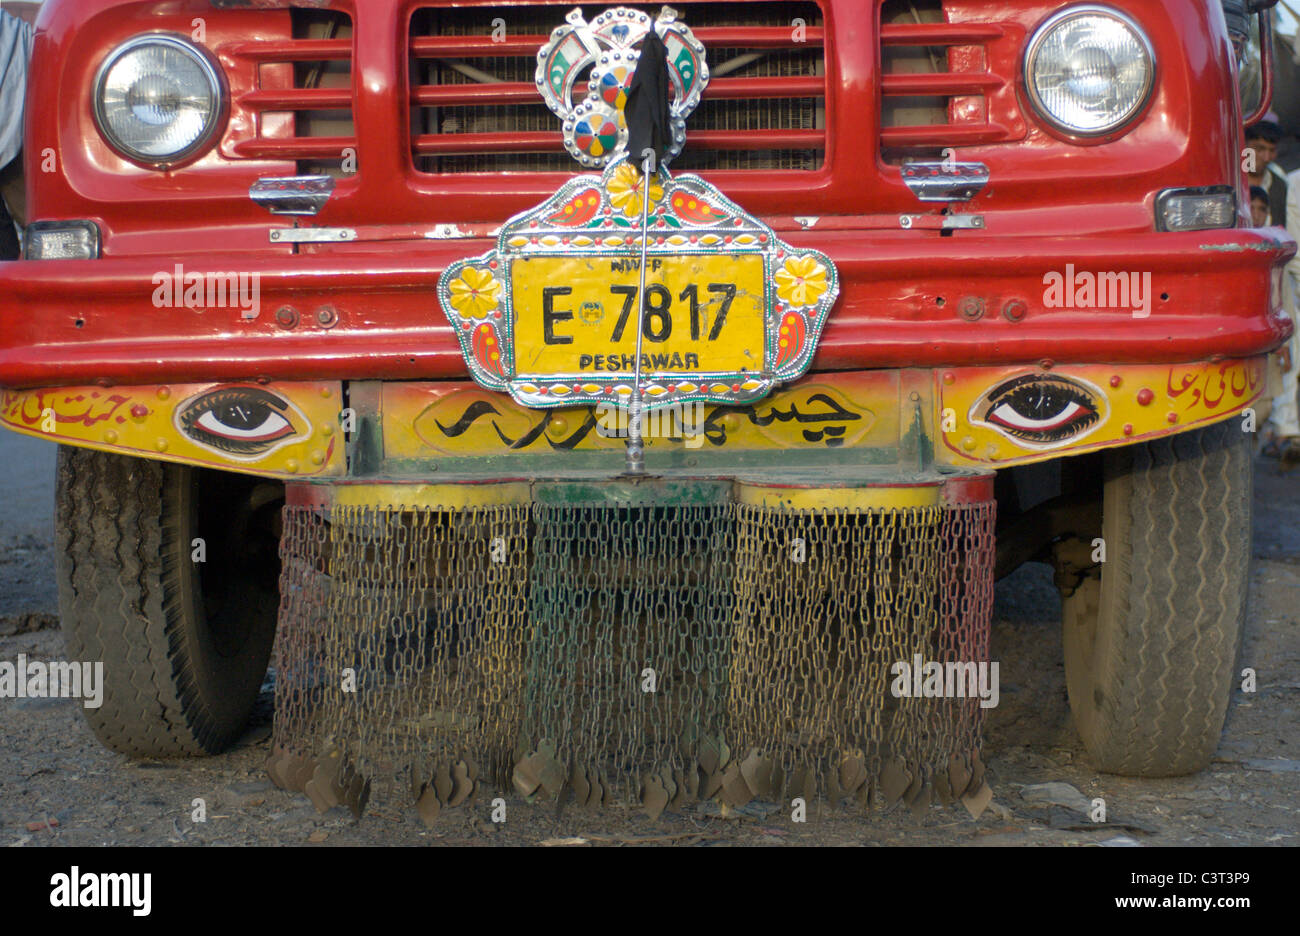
549,315
727,310
594,131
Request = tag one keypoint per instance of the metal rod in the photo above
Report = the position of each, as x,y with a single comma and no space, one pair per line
635,447
1265,68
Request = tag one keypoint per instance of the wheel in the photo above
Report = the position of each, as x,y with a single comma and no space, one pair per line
1151,643
184,643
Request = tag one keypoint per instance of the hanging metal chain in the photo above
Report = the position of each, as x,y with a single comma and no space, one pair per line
640,652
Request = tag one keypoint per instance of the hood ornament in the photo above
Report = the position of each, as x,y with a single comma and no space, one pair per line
594,127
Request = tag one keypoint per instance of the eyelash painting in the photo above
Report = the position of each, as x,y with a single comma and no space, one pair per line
245,423
1041,410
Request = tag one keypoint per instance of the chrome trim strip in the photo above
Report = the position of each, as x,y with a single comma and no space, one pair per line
293,195
945,181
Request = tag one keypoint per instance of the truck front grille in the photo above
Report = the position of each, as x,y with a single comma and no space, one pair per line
477,108
300,106
945,82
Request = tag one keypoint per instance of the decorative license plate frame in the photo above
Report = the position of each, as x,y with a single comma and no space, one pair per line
599,217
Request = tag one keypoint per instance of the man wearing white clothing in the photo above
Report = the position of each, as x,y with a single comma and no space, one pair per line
1285,417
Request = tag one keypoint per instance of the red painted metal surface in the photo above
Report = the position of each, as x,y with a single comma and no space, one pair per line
900,306
1050,201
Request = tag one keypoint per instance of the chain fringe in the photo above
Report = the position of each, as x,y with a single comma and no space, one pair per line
646,654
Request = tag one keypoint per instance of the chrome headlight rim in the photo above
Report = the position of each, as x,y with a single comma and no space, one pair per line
1034,46
216,84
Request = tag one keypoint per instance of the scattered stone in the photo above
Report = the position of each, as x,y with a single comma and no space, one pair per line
1066,819
318,836
1002,812
1272,765
1056,794
755,809
1118,841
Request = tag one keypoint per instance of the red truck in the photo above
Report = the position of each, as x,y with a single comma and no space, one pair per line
1041,301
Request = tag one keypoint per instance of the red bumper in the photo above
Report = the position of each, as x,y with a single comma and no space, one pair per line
908,299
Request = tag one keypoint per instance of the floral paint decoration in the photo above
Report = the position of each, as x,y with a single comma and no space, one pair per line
474,293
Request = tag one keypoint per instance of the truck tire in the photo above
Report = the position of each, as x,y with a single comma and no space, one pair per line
1151,643
184,644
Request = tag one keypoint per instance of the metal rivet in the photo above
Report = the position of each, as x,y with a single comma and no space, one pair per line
286,317
1015,310
971,308
327,316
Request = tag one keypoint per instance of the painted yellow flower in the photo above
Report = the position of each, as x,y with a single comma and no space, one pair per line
625,190
476,293
801,281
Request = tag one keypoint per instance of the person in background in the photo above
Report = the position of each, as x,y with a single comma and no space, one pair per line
1262,139
1258,207
15,51
1282,433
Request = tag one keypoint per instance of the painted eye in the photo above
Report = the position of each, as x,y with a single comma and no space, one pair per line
240,421
1041,410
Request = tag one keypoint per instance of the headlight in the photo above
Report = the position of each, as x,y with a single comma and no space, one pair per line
1196,209
157,99
1089,70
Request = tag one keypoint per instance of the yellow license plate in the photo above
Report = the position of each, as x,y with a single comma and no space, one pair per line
577,315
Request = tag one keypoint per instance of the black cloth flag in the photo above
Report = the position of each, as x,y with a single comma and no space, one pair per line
646,110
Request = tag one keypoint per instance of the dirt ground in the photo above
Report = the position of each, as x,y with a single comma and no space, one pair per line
53,771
